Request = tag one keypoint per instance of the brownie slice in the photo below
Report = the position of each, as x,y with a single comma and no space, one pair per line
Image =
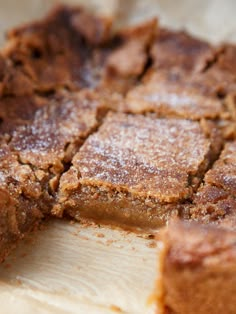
198,269
50,140
38,151
74,49
136,171
215,198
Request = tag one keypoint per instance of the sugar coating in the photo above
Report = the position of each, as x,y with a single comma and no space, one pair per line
168,94
44,141
145,156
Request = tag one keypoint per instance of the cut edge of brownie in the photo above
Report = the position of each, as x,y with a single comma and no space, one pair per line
198,272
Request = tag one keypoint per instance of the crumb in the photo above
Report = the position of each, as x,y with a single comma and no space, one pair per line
7,265
72,222
23,254
152,244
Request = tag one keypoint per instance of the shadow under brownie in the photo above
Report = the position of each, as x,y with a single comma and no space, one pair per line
136,171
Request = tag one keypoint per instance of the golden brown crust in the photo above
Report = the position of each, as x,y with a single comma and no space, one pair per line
131,162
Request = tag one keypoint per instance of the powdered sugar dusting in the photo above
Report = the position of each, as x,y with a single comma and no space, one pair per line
143,154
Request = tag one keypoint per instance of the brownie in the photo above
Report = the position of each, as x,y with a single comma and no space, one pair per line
50,140
215,199
73,49
181,50
198,269
136,171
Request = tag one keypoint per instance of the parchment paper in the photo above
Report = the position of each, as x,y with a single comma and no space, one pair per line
68,268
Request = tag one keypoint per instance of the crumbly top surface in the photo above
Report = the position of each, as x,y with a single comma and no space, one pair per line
168,93
44,142
192,244
148,157
16,178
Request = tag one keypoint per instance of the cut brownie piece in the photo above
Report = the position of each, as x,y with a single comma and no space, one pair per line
198,269
74,49
48,143
215,199
37,153
136,171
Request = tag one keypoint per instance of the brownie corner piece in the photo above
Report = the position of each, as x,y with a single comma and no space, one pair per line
136,171
198,269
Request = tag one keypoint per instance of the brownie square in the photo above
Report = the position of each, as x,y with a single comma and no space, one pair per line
136,171
215,198
19,196
56,132
198,269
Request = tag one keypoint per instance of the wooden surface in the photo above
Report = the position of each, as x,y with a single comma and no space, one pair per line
69,268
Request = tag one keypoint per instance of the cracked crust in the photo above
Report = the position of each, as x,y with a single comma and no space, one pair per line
131,162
